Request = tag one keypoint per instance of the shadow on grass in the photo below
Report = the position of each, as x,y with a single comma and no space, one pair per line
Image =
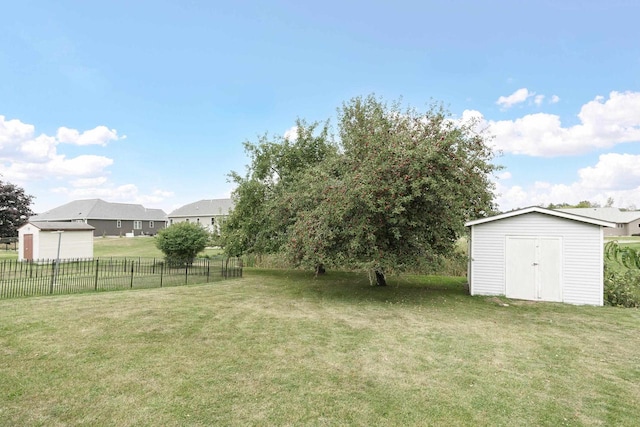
352,287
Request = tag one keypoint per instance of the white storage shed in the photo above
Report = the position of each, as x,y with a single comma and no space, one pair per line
40,240
538,254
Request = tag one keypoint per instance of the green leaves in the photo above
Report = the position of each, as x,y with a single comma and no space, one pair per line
181,242
623,255
401,189
395,191
15,209
263,209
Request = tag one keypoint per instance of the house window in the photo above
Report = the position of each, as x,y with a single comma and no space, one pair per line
137,225
171,221
151,224
186,220
119,223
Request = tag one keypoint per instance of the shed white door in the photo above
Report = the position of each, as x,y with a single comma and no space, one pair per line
534,268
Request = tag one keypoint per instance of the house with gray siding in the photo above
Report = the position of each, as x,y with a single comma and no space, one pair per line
209,213
108,219
538,254
627,222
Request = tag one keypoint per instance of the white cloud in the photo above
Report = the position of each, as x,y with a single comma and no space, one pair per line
100,135
554,99
538,100
38,163
58,167
291,134
89,182
613,171
614,175
84,166
12,131
27,157
603,124
39,149
516,97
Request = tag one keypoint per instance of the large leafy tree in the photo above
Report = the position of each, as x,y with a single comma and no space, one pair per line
15,209
399,192
259,222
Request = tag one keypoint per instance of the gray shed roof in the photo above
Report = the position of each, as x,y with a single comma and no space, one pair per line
540,210
99,209
61,226
605,214
207,207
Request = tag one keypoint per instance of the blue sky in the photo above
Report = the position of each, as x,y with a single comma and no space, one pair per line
150,101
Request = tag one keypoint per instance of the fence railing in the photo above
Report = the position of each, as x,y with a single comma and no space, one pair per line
47,277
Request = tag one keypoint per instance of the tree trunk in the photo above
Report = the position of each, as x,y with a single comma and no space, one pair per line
380,280
320,269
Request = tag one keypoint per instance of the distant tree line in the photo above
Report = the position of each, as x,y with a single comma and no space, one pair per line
588,204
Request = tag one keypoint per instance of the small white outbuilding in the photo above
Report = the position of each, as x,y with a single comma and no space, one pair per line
538,254
41,241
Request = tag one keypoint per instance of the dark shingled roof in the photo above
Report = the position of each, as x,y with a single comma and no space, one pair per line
209,207
99,209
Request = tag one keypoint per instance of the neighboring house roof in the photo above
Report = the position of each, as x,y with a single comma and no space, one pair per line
544,211
61,226
99,209
605,214
208,207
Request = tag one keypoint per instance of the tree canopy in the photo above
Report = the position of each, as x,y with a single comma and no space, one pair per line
259,223
397,191
15,209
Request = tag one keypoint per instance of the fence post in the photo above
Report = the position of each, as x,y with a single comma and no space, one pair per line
186,273
208,269
161,272
95,287
53,276
132,264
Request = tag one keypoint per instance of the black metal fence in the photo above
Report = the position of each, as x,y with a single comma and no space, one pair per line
9,243
47,277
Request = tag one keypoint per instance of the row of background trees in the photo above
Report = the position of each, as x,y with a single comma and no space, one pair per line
588,204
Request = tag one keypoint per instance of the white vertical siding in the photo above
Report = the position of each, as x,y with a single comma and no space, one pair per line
582,262
73,244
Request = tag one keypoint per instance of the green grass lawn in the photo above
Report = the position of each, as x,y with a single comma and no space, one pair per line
142,246
631,241
282,348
